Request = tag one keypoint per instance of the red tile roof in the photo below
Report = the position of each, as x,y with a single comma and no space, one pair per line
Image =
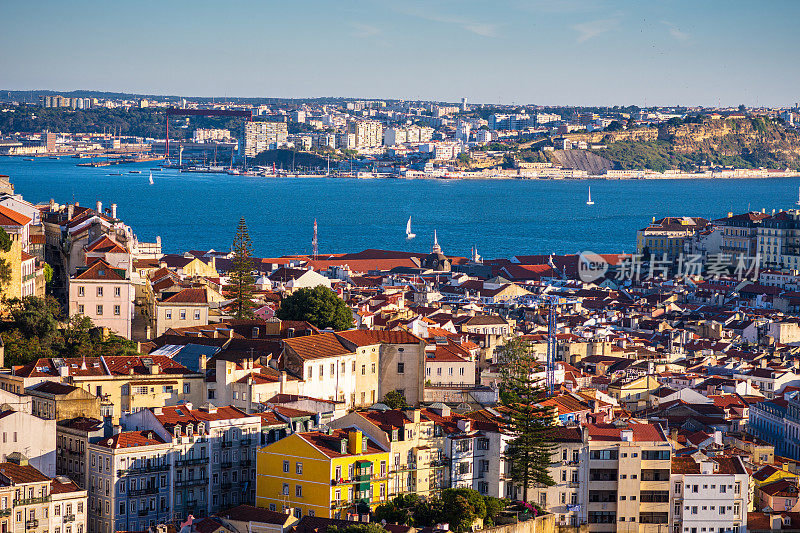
131,439
100,270
189,296
9,217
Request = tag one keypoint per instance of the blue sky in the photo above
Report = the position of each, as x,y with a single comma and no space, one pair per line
555,52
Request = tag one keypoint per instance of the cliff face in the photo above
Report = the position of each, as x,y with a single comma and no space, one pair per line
731,137
597,137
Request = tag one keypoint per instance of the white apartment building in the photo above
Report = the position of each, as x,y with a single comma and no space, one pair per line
368,133
709,494
30,435
213,454
128,480
260,136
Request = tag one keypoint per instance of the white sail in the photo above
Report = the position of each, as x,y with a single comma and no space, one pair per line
589,201
151,177
409,235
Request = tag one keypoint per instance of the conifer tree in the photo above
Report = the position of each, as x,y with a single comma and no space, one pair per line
240,288
529,452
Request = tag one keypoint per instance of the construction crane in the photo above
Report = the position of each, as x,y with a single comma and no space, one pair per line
552,346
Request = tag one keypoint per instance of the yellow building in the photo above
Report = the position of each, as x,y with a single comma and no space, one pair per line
633,394
128,383
329,474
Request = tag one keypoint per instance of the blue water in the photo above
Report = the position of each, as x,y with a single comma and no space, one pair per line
503,218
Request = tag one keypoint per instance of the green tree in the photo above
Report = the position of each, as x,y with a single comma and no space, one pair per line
318,306
493,508
371,527
399,510
240,288
529,451
48,273
395,399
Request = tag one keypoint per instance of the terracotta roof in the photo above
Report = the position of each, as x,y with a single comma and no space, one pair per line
9,217
365,337
105,245
317,346
249,513
100,270
188,296
611,432
329,444
181,414
59,487
131,439
22,473
685,465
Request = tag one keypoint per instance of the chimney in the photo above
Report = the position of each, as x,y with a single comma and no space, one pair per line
99,207
114,211
627,435
718,437
413,415
283,381
354,438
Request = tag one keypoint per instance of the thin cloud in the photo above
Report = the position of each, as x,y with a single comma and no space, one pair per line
676,32
561,6
594,28
364,30
484,29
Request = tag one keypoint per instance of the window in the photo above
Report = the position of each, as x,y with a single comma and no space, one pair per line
81,290
99,292
80,308
285,489
286,466
363,370
373,368
187,388
117,292
298,469
117,310
168,314
298,491
197,314
603,455
99,310
401,368
183,314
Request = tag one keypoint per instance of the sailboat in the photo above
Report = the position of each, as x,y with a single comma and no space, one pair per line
798,198
409,235
589,201
151,177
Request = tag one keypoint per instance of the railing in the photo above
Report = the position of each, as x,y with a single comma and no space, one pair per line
31,524
574,484
192,461
142,470
147,490
191,482
338,504
69,518
31,501
5,512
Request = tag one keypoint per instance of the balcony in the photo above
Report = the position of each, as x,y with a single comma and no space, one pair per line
191,482
31,524
341,504
192,462
5,512
140,492
226,443
245,442
574,484
142,470
32,501
68,518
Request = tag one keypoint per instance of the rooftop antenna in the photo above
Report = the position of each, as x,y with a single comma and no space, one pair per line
314,241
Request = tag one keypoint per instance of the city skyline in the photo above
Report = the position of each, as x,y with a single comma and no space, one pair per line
580,52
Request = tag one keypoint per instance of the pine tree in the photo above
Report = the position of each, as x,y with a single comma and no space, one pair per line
240,288
529,452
